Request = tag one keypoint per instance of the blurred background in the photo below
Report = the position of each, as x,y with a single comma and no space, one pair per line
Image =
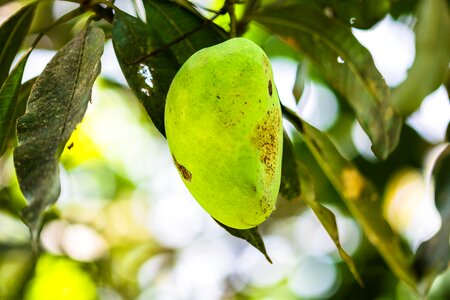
125,226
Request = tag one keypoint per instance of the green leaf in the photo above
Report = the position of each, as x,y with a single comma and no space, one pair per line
430,66
346,65
357,13
175,22
433,256
290,182
22,98
12,34
325,216
251,235
358,195
150,79
10,107
56,105
151,54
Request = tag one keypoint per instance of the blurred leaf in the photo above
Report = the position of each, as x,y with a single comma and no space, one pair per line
402,7
359,196
56,105
275,47
357,13
43,17
300,79
430,66
151,54
345,63
10,106
12,34
403,156
447,82
326,218
341,135
9,203
290,181
433,256
251,235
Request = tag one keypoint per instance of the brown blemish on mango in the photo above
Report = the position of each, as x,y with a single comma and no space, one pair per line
270,88
265,138
183,171
265,205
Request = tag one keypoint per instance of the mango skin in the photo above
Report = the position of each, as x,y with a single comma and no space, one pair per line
224,129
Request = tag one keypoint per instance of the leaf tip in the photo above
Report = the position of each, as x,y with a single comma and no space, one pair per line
251,235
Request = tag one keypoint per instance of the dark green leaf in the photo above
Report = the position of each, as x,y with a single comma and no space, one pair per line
10,107
359,196
433,256
175,22
325,216
430,66
251,235
290,182
150,79
56,105
22,98
357,13
151,54
12,34
345,63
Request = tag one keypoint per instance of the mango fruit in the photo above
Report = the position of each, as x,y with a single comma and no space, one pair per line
224,129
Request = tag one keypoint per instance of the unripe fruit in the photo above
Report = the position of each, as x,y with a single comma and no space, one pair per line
224,129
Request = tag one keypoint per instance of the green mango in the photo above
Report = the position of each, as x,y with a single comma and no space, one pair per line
224,129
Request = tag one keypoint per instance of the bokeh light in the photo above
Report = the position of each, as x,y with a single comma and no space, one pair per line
58,278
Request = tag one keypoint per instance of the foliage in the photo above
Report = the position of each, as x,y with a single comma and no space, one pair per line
40,123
